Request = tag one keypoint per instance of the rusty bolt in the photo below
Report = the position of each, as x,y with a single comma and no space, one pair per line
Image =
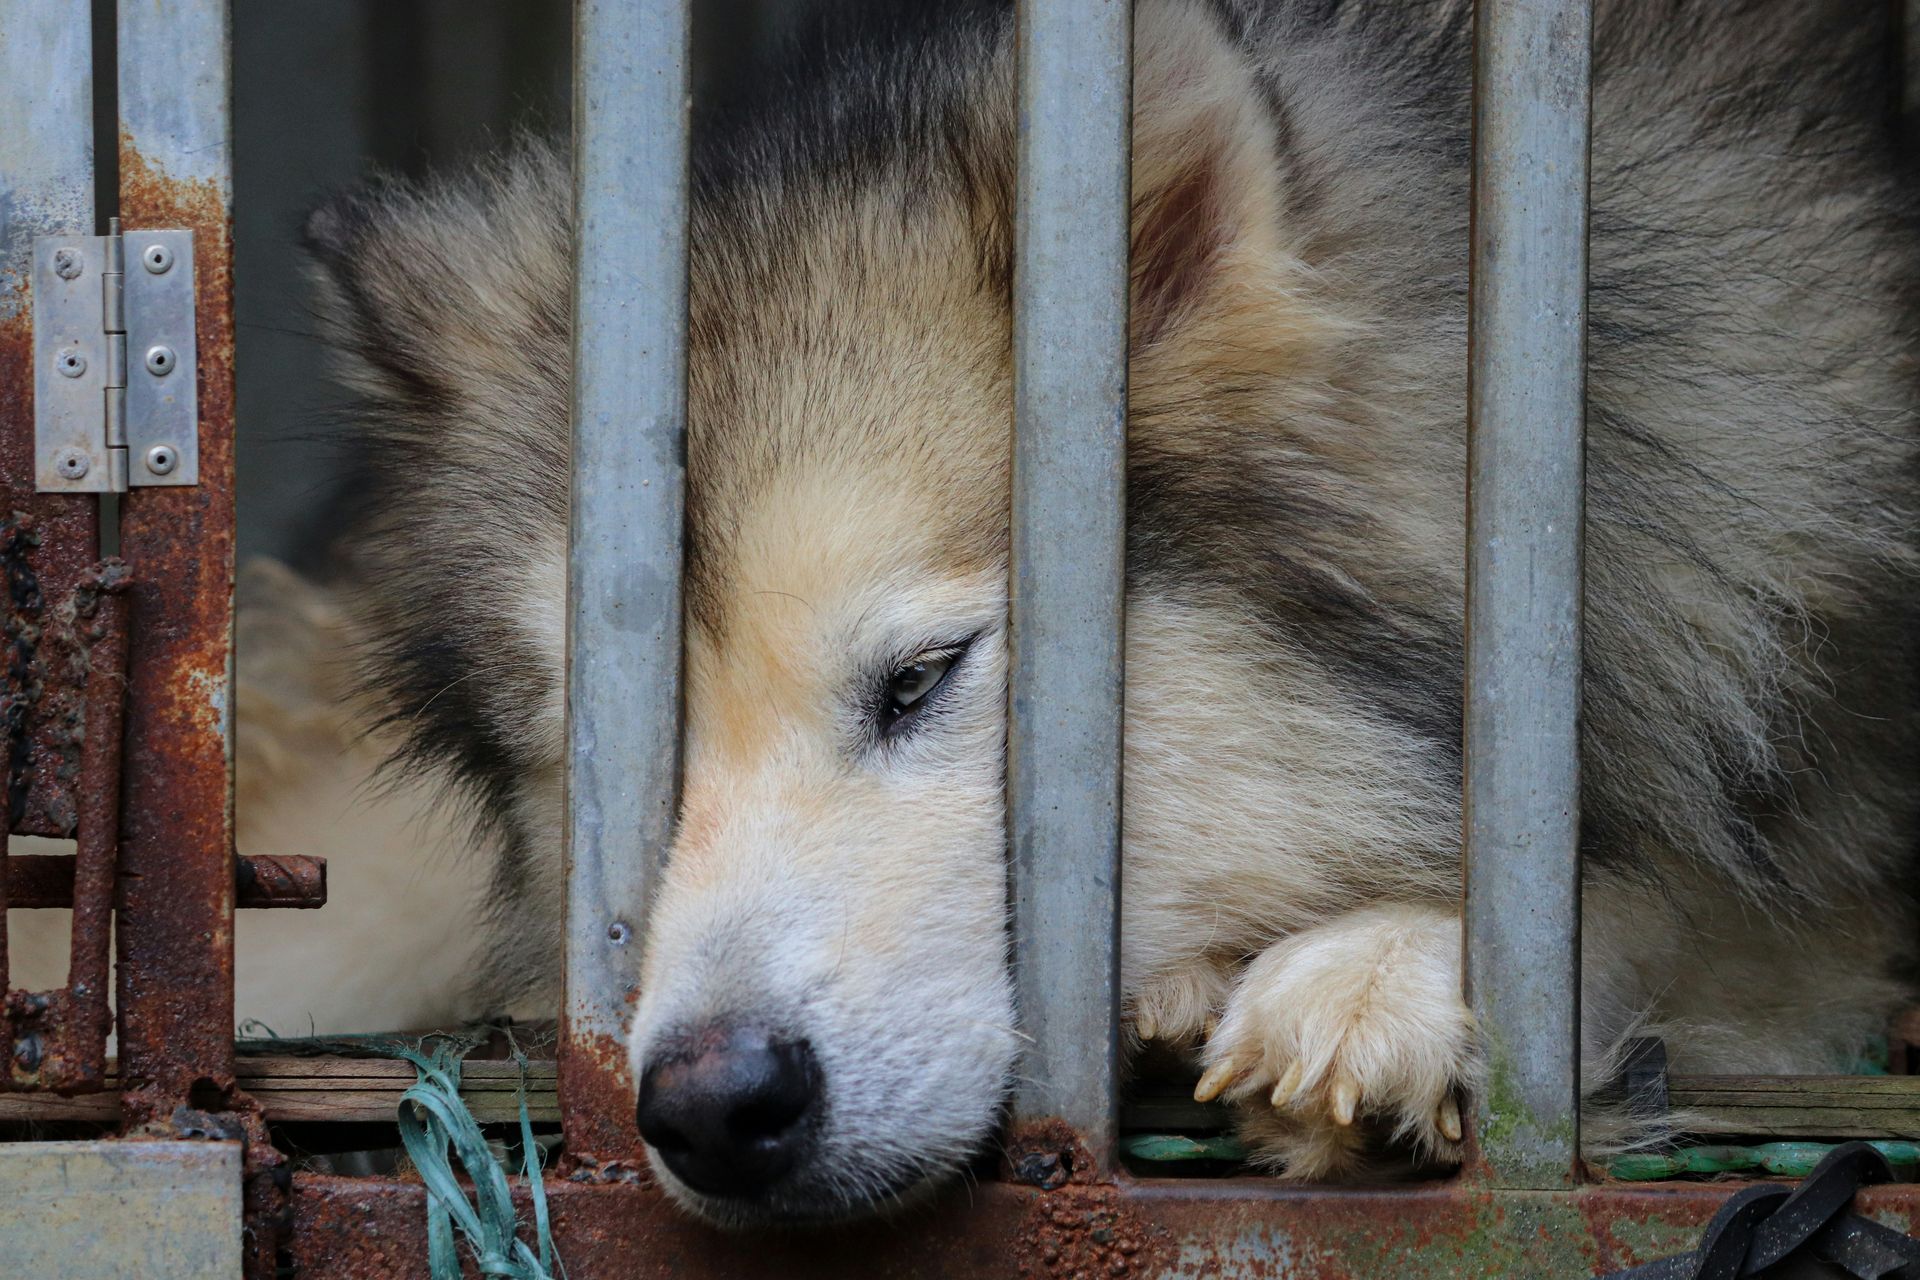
70,363
26,1052
1040,1169
67,263
72,464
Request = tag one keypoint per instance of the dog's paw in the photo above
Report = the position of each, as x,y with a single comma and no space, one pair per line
1351,1028
1181,1006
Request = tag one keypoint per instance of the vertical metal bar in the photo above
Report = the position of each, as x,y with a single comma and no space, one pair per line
46,186
1069,491
176,867
629,465
175,932
1526,405
100,633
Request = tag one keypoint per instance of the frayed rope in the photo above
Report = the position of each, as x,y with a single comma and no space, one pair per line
436,1128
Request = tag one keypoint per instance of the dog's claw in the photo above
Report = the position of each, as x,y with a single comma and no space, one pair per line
1215,1081
1447,1119
1145,1027
1212,1024
1289,1085
1346,1101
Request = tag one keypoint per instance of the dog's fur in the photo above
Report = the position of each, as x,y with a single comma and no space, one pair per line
404,920
1295,507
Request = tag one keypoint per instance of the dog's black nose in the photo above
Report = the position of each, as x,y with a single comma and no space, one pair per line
729,1108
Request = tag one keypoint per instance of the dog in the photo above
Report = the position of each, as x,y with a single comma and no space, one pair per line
825,1022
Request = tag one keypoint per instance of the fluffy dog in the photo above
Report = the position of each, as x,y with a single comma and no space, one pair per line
825,1021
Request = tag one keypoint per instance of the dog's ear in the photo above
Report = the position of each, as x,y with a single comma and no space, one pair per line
451,297
1205,184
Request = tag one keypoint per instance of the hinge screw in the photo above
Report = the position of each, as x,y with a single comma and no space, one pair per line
618,932
157,258
71,464
67,263
161,460
70,363
160,361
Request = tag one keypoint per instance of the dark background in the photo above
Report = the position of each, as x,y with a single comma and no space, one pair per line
328,91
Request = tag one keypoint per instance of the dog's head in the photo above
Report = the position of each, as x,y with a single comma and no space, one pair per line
826,1020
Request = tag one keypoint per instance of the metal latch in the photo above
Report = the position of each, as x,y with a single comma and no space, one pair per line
115,399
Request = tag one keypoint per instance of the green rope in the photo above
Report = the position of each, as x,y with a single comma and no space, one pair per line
1166,1148
436,1128
1781,1159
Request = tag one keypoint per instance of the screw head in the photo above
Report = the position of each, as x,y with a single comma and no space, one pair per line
72,464
161,361
161,460
70,363
619,932
67,263
157,258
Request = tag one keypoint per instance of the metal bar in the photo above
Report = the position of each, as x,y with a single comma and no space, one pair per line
175,934
1190,1229
296,883
629,467
1068,563
176,889
100,643
1525,488
46,186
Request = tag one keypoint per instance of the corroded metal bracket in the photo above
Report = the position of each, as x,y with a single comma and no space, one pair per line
62,713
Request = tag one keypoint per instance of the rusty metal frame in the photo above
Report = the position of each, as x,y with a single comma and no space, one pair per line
1232,1229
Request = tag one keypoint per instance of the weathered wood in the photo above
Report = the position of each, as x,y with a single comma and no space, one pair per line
1802,1106
362,1090
327,1090
1751,1106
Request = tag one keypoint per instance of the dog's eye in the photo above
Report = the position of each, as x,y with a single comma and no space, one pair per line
910,686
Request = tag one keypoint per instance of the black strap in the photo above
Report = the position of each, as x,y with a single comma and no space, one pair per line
1762,1225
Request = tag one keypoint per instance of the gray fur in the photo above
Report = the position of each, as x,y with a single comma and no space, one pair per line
1750,703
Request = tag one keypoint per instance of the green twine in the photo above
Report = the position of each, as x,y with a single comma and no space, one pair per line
435,1127
1777,1159
1164,1148
1782,1159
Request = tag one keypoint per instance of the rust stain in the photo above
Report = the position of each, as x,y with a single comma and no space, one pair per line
1230,1229
1088,1231
597,1102
177,874
297,883
177,868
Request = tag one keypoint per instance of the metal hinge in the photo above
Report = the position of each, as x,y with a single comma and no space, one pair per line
115,401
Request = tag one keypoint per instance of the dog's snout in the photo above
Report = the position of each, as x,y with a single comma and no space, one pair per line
730,1109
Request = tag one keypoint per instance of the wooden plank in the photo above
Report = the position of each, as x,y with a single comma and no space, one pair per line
83,1210
310,1089
325,1089
1802,1106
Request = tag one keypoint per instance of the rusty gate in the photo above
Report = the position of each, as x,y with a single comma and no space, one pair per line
142,781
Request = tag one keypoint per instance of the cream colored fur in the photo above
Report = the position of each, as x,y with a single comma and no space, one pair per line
1296,510
404,927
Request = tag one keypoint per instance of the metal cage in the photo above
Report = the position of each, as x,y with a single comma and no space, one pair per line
1523,1205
